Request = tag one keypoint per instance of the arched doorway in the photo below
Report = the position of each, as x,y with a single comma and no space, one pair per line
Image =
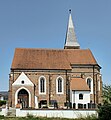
23,98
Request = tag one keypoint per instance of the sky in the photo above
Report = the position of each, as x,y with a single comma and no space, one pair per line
43,24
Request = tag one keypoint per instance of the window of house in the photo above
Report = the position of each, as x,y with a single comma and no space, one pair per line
42,85
59,85
80,96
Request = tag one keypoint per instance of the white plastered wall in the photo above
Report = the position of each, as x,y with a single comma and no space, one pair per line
75,97
18,83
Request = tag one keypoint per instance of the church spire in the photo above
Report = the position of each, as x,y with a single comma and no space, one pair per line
71,41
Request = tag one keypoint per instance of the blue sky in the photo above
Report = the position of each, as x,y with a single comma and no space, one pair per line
43,24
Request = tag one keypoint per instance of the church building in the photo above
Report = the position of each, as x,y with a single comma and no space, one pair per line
59,78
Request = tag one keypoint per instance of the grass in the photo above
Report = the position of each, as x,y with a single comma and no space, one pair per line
41,118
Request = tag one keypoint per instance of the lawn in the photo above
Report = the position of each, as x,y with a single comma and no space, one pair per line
40,118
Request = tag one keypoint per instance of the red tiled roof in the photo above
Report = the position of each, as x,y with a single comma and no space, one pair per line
26,58
79,84
79,56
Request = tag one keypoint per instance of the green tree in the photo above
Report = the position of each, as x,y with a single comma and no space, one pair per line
104,111
107,94
2,102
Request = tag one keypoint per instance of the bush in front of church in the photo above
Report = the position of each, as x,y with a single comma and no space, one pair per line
2,102
104,112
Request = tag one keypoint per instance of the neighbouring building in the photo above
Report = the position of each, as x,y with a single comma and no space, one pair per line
1,97
61,77
4,95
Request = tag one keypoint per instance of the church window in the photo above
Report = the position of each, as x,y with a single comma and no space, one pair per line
80,96
89,83
42,85
59,85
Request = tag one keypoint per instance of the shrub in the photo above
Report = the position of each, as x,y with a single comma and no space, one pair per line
2,102
30,116
104,112
1,116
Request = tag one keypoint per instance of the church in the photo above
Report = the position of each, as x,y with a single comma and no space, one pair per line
55,78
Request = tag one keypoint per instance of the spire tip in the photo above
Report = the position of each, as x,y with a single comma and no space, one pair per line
70,11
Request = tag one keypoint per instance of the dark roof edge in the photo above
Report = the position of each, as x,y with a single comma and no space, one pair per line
36,69
93,65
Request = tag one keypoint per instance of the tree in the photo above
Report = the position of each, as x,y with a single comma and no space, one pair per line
104,111
2,102
107,94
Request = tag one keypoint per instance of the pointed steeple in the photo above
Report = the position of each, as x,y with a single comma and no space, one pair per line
71,40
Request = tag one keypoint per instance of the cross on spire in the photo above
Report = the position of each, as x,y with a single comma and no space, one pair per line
70,11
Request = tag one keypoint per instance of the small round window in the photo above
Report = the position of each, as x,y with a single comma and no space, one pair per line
22,81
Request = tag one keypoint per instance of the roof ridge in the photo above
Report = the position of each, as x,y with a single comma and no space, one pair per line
54,49
40,48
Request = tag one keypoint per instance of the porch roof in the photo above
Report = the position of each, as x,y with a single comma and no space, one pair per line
79,84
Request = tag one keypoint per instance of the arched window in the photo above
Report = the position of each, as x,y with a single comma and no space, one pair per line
59,85
42,85
89,83
80,96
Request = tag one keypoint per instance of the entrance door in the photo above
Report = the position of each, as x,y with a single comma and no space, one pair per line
23,98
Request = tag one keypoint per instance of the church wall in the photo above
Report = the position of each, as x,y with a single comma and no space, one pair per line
10,92
50,87
51,83
50,94
61,98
